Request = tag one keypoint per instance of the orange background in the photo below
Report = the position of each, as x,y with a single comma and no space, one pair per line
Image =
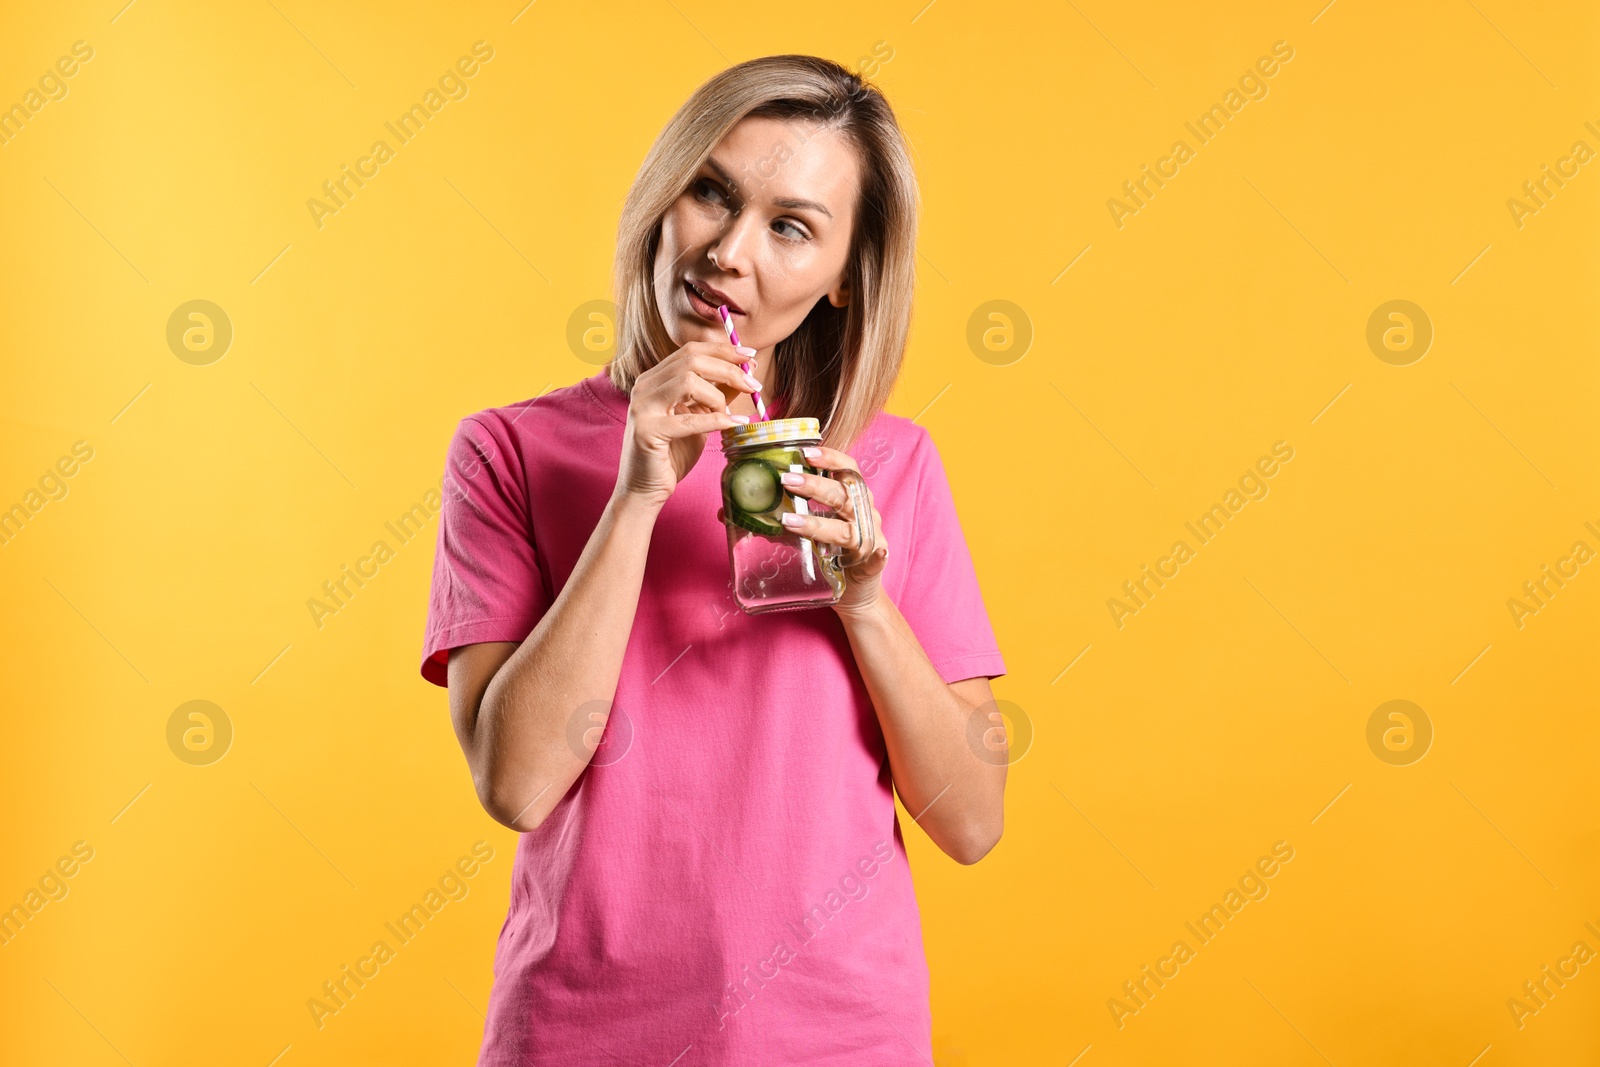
1163,358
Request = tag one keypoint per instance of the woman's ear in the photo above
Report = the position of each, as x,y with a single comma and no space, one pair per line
839,296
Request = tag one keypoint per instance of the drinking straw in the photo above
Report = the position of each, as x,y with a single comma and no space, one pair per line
800,505
733,339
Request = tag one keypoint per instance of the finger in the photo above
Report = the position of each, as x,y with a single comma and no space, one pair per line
723,350
819,528
829,458
688,424
723,373
827,491
697,394
715,361
712,383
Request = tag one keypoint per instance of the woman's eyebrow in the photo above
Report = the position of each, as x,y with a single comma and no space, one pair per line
782,201
791,202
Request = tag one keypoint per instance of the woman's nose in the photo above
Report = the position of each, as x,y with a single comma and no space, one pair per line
731,249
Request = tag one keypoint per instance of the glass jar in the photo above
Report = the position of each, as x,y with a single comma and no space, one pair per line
774,568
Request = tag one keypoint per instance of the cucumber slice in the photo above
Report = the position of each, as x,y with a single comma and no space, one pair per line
754,487
755,524
781,458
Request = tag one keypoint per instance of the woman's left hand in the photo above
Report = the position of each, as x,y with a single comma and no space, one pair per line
862,588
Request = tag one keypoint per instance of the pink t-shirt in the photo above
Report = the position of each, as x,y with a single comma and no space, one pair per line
726,882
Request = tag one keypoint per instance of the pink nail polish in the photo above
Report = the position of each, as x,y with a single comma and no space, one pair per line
811,452
790,518
791,478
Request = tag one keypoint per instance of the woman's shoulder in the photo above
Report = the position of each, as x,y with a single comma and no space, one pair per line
584,400
889,437
514,438
894,429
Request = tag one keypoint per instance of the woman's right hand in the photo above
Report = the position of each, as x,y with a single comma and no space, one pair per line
673,406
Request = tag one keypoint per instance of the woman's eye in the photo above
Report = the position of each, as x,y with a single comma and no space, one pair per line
710,192
703,185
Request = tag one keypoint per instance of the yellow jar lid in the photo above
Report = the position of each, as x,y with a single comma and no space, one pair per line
770,431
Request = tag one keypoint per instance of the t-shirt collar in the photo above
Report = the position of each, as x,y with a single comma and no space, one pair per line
605,391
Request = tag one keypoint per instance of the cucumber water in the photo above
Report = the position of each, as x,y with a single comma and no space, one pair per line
755,496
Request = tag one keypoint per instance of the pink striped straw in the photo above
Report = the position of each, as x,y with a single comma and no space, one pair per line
733,339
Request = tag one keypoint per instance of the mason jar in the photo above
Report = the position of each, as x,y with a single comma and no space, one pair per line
774,568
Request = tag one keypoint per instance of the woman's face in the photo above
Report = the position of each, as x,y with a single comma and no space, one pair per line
766,222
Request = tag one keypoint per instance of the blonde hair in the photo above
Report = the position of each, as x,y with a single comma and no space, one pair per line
840,364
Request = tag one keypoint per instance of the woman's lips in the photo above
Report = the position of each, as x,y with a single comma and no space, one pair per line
701,307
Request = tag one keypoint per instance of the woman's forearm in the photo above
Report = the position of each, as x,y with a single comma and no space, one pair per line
558,684
955,796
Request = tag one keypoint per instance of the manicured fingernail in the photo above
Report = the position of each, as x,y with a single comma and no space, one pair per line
745,351
811,452
741,418
790,518
791,478
754,384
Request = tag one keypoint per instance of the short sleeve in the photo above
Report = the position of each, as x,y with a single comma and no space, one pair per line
487,581
940,598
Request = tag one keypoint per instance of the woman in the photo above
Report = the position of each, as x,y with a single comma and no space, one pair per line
711,869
